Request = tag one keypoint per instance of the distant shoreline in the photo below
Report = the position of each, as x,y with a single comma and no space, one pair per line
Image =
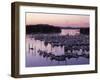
46,28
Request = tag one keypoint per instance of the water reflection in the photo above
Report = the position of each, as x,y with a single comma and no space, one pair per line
44,50
70,32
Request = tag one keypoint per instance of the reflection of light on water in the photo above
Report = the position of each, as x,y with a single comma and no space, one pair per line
39,45
58,50
48,48
70,32
33,57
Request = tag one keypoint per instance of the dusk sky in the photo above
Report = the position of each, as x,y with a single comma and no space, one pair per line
57,19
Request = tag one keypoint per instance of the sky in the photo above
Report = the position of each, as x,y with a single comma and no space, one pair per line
62,20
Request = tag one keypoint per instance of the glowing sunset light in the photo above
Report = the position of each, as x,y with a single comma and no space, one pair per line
57,19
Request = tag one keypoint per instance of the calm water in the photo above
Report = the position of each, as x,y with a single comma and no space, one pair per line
70,32
40,54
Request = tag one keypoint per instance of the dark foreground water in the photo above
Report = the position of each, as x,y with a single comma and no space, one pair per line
45,50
